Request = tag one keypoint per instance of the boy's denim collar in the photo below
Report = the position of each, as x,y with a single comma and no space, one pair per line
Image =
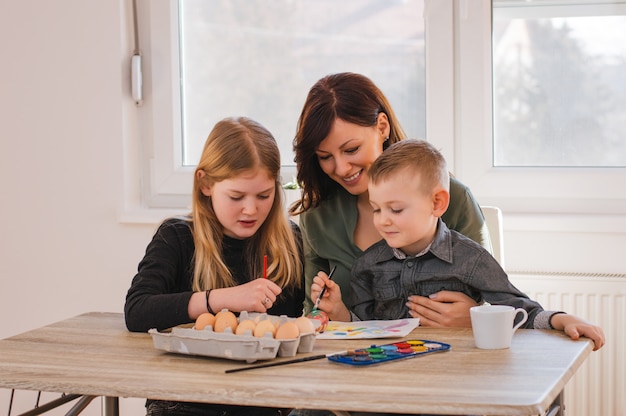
440,247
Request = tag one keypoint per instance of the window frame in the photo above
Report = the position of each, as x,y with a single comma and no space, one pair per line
165,182
519,190
458,97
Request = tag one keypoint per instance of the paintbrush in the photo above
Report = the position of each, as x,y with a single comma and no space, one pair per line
277,363
319,297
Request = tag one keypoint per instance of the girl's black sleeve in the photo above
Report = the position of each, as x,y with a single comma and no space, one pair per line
160,291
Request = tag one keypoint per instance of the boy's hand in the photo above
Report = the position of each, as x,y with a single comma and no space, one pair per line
575,327
442,309
331,302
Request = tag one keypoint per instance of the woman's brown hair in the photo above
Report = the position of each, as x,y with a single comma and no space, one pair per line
351,97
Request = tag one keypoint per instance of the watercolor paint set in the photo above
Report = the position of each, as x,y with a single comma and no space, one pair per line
376,354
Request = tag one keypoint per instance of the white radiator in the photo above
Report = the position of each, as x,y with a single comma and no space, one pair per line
599,387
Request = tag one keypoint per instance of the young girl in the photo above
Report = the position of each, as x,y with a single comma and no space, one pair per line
214,258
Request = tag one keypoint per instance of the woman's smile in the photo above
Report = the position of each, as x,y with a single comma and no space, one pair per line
353,178
347,152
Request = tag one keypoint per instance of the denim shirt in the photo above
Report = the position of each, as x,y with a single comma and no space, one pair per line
381,282
328,233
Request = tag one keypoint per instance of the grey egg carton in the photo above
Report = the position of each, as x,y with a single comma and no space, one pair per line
244,347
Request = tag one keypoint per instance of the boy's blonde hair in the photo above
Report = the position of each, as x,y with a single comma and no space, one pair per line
236,146
417,157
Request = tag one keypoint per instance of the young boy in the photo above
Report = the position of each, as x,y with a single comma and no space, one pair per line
419,255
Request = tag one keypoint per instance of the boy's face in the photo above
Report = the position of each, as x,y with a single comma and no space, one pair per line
404,215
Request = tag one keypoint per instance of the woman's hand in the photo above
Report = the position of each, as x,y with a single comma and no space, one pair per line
331,302
442,309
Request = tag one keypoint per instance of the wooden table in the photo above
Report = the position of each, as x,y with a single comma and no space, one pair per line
93,354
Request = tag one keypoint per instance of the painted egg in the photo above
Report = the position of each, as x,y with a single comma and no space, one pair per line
320,316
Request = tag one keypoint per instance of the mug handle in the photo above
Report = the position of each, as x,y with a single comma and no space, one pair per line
524,318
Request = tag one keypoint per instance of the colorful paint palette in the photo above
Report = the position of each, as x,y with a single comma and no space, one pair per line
376,354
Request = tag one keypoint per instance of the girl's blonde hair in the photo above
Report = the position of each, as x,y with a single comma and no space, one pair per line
236,146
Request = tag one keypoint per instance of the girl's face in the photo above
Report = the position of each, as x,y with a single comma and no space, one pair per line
243,202
349,150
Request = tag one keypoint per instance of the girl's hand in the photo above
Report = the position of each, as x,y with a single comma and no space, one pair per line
331,302
575,327
257,295
442,309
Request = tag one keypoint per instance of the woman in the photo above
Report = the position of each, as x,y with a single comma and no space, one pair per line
345,124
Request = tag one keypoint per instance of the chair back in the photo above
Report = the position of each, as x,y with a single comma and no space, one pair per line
493,218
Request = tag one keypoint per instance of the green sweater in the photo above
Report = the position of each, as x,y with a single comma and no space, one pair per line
328,233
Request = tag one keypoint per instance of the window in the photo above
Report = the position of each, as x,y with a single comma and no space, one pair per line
558,89
554,142
524,149
222,58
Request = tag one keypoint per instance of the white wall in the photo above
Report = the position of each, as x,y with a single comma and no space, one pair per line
67,137
65,115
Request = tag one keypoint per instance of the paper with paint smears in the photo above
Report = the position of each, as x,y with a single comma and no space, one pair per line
369,329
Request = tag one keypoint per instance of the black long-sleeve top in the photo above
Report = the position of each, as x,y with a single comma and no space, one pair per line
160,291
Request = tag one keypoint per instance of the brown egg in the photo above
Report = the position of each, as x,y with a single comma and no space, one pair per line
225,319
204,320
287,330
245,325
305,325
264,327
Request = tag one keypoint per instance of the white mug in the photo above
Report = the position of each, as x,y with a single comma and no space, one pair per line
493,325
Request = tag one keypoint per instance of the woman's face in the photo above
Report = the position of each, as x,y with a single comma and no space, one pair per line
349,150
243,202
